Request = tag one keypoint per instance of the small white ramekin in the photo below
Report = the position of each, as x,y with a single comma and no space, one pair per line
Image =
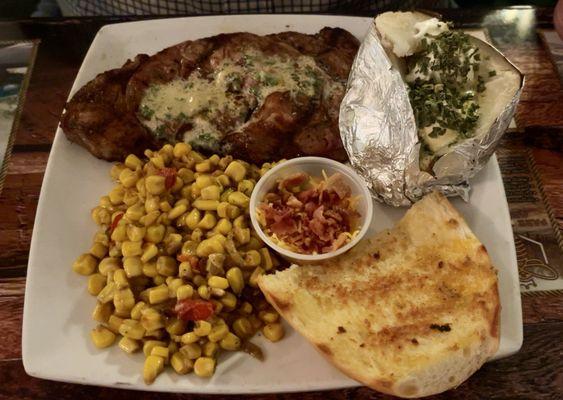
314,167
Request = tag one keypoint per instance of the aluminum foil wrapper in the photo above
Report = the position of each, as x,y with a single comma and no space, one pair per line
379,133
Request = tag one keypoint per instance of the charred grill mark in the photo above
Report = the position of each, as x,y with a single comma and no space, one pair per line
441,328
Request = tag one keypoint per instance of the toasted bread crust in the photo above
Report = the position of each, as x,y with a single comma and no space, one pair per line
411,312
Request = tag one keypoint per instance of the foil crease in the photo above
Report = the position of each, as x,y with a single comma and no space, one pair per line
379,133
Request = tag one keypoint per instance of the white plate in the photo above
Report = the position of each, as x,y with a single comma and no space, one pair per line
57,308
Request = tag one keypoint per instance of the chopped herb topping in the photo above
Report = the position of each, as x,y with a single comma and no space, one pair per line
444,81
146,112
269,80
160,131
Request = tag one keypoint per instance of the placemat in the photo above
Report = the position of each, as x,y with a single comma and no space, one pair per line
16,63
537,236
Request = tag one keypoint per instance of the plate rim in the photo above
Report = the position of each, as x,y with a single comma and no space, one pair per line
27,358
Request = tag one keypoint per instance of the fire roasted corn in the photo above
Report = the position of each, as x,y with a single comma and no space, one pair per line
174,266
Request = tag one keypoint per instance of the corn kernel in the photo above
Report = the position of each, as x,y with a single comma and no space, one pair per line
273,332
96,283
209,246
266,259
151,319
153,366
131,249
137,310
128,345
211,192
204,367
155,233
242,235
208,221
256,274
236,171
206,205
149,269
123,300
151,344
230,342
245,308
107,293
102,337
184,292
229,300
160,351
204,292
202,328
181,364
136,233
158,294
175,326
132,266
218,282
218,332
120,279
224,226
268,316
132,329
102,312
114,323
191,350
133,162
210,349
239,199
98,250
85,264
243,327
189,337
177,211
167,266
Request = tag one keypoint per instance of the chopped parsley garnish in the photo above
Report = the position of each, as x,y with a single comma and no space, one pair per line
160,131
146,112
270,80
205,137
442,92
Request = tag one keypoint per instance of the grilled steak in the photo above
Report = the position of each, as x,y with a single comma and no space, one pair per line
259,98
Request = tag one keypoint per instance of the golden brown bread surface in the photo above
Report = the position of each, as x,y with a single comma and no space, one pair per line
412,312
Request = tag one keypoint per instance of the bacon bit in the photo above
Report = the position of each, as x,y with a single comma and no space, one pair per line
169,176
336,183
311,219
338,243
194,310
293,181
294,202
114,223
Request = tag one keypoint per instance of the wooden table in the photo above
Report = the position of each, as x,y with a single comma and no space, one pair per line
536,372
